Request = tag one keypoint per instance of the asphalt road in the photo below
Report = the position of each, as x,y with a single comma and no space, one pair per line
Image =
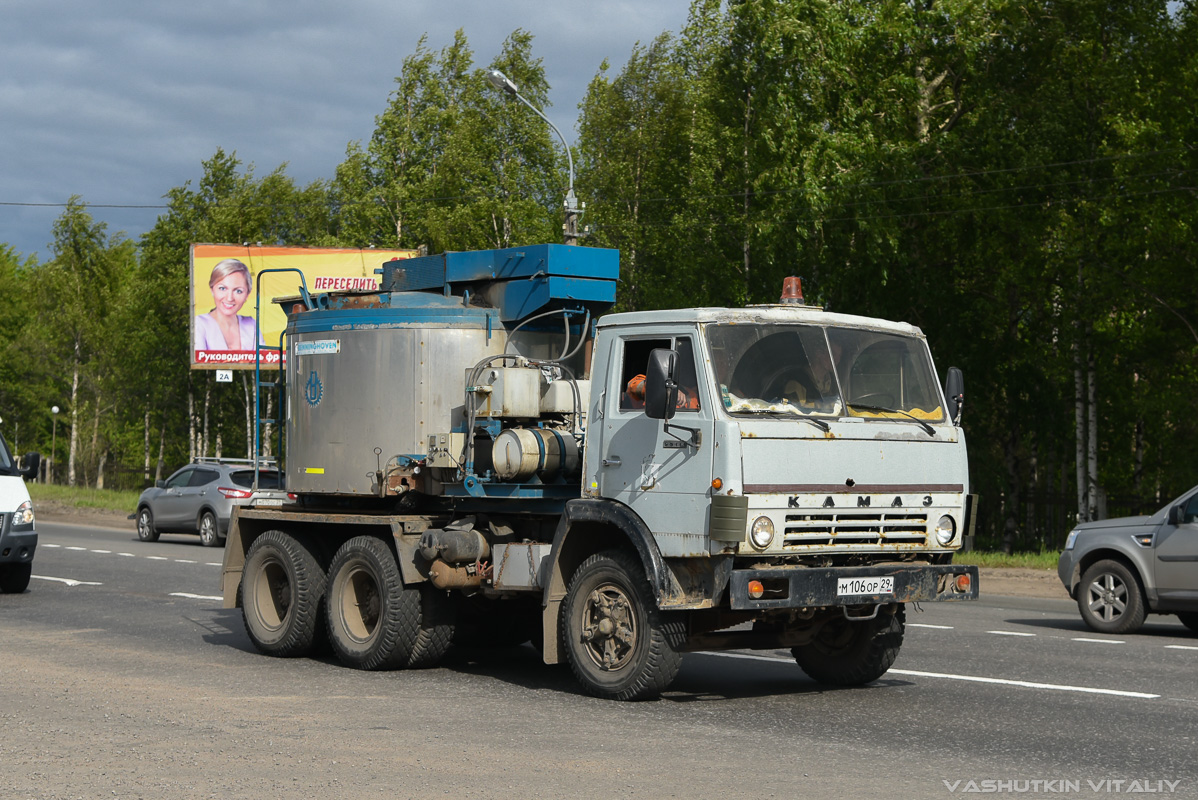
121,676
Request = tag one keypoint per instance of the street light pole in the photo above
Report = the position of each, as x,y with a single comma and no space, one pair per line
504,84
53,444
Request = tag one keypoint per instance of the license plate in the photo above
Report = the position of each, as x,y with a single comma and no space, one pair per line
268,502
882,584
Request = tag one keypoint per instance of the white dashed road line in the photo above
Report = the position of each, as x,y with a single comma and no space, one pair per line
925,625
1099,641
971,678
67,581
190,596
1010,633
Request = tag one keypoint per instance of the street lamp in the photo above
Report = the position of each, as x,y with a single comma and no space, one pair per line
504,84
53,444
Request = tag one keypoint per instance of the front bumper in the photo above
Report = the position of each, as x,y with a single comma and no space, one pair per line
16,547
803,587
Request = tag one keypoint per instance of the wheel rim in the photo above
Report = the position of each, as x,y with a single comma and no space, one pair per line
143,523
272,595
359,603
609,629
1107,597
207,528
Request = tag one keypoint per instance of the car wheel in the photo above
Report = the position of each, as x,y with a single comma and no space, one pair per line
281,594
145,525
1110,598
375,621
853,653
1189,619
14,578
619,645
209,530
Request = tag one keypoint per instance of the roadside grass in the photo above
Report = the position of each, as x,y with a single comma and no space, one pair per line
82,497
1045,559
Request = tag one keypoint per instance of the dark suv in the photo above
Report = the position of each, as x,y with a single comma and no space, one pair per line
1120,570
200,497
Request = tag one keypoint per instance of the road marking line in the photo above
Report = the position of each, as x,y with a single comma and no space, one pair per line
1179,647
212,564
127,555
51,545
1100,641
1010,633
183,561
195,596
970,678
75,548
158,558
67,581
101,551
922,625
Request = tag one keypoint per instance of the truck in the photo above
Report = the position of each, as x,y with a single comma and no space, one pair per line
476,454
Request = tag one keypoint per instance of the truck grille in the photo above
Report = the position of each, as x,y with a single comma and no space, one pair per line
813,530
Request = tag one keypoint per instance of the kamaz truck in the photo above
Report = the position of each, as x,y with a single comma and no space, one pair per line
478,457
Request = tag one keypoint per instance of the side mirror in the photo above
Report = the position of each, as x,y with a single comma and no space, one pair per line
1176,514
660,391
161,484
31,463
954,391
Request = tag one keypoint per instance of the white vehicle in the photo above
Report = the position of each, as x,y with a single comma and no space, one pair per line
18,537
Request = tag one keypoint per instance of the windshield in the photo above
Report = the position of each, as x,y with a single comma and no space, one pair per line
7,466
808,370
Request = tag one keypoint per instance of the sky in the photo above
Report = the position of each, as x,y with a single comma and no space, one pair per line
120,101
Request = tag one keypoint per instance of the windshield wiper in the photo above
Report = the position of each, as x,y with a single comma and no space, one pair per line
931,431
819,423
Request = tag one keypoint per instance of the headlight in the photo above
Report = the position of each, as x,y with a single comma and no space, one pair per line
23,516
1072,538
946,530
762,533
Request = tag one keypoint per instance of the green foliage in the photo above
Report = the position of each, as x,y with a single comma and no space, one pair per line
79,497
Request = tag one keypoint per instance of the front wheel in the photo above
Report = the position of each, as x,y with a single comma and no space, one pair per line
209,530
1110,598
853,653
618,643
375,622
282,588
14,578
145,525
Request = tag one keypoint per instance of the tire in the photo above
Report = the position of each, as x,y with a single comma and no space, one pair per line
1189,619
209,530
145,525
374,621
847,653
14,578
281,595
619,644
1110,598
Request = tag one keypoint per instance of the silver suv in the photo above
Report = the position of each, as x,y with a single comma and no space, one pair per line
200,497
1120,570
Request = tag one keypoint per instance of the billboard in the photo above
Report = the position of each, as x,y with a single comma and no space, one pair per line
226,281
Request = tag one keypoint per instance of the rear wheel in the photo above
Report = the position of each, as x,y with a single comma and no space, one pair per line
14,578
852,653
282,588
145,525
209,530
1110,598
1189,619
619,644
374,621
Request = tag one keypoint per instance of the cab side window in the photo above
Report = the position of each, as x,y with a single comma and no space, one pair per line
635,363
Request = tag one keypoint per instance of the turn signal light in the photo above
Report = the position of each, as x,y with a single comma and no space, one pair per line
717,483
963,583
756,590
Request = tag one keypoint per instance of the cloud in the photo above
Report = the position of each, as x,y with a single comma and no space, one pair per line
119,102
